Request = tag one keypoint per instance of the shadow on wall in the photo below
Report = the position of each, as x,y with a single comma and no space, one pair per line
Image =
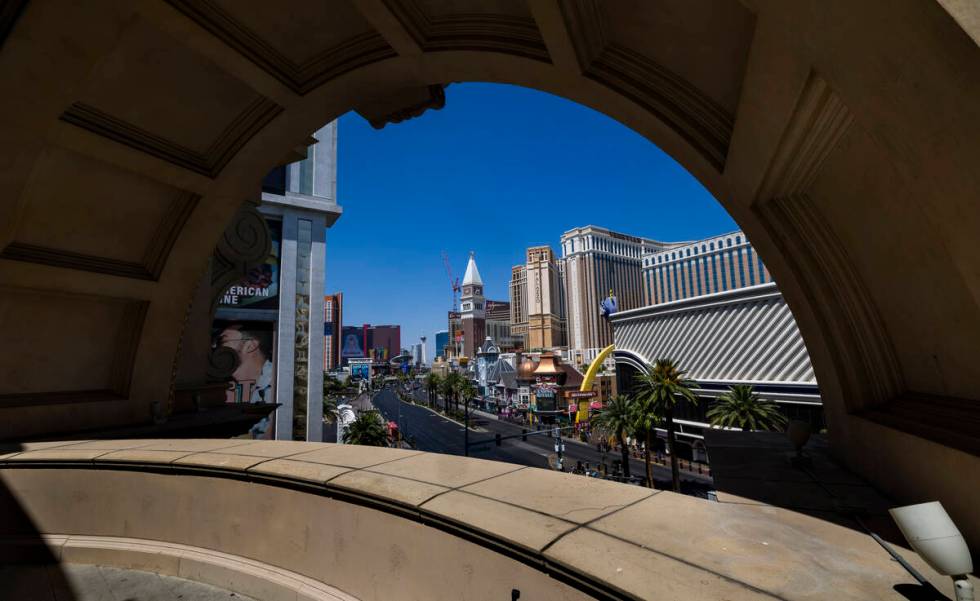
29,569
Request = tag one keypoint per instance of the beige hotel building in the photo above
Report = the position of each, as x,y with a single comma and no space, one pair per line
597,261
690,269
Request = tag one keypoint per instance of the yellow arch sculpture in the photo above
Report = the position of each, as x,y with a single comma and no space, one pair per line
594,368
583,406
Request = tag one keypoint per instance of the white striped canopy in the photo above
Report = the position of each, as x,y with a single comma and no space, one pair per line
740,336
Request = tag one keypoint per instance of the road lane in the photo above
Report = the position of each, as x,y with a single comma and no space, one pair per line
434,433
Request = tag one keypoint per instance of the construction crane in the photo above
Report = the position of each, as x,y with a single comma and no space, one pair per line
453,282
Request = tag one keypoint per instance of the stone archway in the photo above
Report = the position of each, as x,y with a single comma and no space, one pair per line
842,138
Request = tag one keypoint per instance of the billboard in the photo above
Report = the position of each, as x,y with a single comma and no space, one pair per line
352,343
253,381
360,368
260,288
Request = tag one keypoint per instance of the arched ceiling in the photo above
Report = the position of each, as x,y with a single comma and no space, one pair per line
843,137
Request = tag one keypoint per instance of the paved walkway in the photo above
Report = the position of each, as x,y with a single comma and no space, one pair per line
77,582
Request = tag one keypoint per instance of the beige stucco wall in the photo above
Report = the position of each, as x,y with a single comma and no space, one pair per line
384,524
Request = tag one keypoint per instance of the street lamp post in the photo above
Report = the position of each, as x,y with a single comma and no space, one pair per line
466,427
559,448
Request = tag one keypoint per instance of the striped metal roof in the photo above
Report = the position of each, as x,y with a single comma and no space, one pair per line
746,335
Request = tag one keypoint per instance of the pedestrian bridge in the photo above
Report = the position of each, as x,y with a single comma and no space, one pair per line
296,520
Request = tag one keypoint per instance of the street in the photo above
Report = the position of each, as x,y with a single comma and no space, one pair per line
435,433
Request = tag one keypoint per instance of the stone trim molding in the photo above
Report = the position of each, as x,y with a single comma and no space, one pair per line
10,11
601,538
125,347
585,23
238,574
695,117
508,34
359,50
209,163
149,268
859,342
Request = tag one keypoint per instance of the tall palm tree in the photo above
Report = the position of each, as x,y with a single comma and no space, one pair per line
615,421
367,429
644,420
741,408
329,409
466,391
658,392
448,388
432,382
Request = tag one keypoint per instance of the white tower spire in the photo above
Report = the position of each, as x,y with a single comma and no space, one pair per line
472,275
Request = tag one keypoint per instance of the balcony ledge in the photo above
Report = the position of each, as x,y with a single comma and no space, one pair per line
381,523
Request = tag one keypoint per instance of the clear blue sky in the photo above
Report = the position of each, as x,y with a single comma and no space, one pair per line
500,168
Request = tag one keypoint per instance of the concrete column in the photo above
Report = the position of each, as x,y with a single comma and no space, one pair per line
325,162
292,177
286,335
314,395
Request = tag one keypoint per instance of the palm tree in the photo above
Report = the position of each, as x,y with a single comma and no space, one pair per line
658,392
465,391
367,429
615,421
644,420
447,386
431,384
741,408
329,409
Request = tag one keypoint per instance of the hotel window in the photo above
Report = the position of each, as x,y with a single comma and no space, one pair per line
738,239
762,269
714,270
731,270
748,259
741,266
729,242
702,248
697,268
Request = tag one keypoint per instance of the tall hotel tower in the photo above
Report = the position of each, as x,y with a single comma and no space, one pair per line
597,261
472,312
545,299
518,304
706,266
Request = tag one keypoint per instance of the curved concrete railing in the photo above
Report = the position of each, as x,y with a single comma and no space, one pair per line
294,520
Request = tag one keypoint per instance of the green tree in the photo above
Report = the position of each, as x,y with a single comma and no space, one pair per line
432,382
658,392
741,408
465,391
367,429
447,386
616,421
333,389
329,409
